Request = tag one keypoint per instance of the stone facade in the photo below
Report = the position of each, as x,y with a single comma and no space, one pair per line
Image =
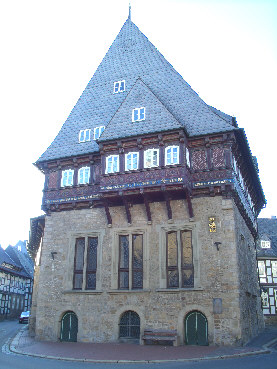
218,274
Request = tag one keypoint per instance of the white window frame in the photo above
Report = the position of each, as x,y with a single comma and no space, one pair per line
151,158
261,268
86,133
274,268
265,244
117,87
265,299
141,111
85,176
112,158
132,154
167,149
97,132
187,157
66,176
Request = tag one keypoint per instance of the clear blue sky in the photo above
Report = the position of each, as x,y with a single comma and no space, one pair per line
226,50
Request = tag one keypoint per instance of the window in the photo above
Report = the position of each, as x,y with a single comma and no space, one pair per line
187,157
67,177
129,325
261,268
112,164
85,274
179,259
265,302
98,132
84,175
130,263
131,160
84,135
172,155
138,114
119,87
151,158
265,244
274,268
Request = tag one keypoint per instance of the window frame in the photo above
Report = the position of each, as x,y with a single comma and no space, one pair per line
79,175
107,164
172,147
141,111
262,269
64,172
84,131
119,86
151,151
132,153
101,130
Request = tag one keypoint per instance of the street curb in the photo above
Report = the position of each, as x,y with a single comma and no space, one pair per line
15,340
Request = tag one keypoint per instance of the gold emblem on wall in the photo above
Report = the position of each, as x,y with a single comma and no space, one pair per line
212,224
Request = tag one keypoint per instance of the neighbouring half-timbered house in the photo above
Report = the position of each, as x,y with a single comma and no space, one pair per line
151,198
16,281
267,266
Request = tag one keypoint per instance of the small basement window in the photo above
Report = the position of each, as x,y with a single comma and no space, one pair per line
84,135
112,164
67,177
119,86
98,132
138,114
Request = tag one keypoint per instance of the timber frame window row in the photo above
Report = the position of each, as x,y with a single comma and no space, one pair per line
151,159
68,176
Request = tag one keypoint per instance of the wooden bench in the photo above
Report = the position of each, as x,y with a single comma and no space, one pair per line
159,336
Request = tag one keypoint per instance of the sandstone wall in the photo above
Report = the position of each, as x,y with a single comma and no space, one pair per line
217,274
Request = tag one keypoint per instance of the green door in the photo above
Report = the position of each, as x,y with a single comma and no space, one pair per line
196,329
69,327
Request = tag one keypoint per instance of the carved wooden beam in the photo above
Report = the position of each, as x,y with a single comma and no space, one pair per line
128,213
168,206
108,214
147,207
191,215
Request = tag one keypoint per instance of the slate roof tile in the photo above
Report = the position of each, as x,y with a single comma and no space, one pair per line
132,56
267,229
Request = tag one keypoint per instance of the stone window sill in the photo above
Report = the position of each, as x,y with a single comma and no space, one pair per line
118,292
85,292
178,290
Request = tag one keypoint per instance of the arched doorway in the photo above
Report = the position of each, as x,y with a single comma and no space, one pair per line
69,327
129,325
196,329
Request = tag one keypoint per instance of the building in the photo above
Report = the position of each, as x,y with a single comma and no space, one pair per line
267,266
16,280
151,198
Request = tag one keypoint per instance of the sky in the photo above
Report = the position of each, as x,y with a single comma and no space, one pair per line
225,49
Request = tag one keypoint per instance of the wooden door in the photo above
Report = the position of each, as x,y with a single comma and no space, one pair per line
69,327
196,329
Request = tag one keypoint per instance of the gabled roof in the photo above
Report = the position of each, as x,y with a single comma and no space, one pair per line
157,117
9,265
132,56
267,230
22,258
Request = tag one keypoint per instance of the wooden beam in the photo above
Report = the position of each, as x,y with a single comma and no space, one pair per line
168,206
108,214
147,207
189,203
128,213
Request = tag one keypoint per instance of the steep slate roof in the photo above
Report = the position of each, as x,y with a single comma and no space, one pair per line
132,56
22,258
267,229
157,117
5,258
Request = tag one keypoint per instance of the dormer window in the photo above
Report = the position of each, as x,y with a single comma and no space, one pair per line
112,164
67,177
172,155
84,175
265,244
138,114
131,161
84,135
119,86
98,132
151,158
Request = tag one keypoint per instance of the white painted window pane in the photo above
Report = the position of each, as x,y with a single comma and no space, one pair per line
116,87
155,157
101,130
142,113
135,161
122,86
136,114
81,176
87,135
115,163
82,136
